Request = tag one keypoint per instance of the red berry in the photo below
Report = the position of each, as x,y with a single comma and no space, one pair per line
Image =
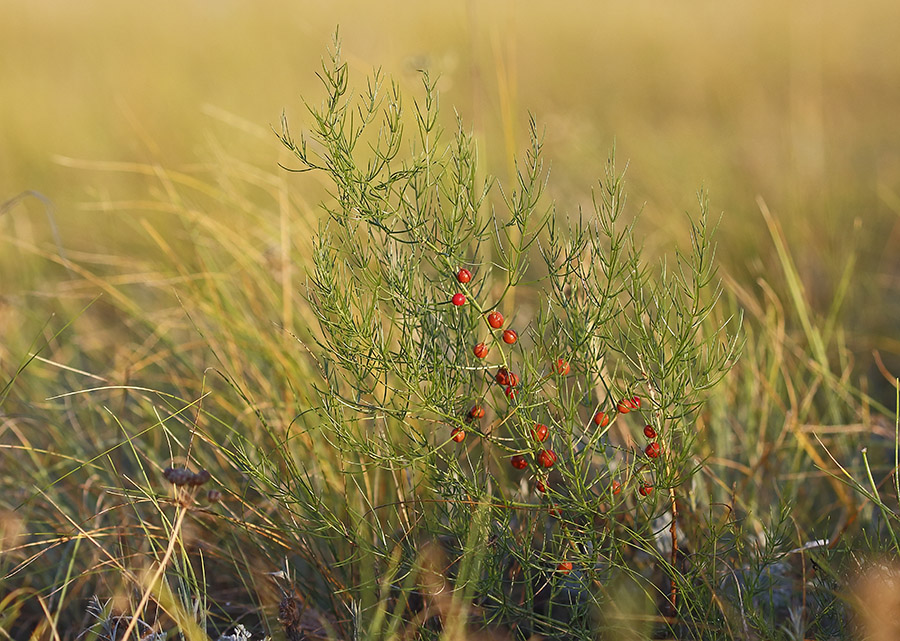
565,567
539,486
624,406
649,432
616,487
459,299
554,511
518,461
511,393
635,402
457,435
513,379
652,450
481,350
502,376
464,275
495,320
562,367
601,419
476,412
646,489
510,336
540,432
547,458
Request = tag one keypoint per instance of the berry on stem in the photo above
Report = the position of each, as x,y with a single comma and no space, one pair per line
459,299
616,487
646,489
540,432
635,402
652,450
562,367
624,406
464,275
564,567
511,393
649,432
518,461
476,412
601,419
495,320
510,336
513,379
502,376
547,458
481,350
539,486
457,435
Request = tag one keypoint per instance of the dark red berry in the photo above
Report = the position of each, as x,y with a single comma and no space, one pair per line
510,336
649,432
562,367
635,402
502,376
464,275
601,419
652,450
616,487
539,486
481,350
495,320
513,379
511,393
457,435
565,567
518,461
547,458
540,432
554,511
459,299
646,489
476,412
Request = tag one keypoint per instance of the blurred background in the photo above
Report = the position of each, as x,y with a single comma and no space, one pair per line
794,103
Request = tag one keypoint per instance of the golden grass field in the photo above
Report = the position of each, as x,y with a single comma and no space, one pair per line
795,104
147,127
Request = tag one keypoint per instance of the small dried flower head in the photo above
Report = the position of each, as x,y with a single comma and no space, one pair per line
181,476
199,478
214,496
178,476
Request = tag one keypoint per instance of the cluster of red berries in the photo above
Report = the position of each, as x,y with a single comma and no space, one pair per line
509,381
652,450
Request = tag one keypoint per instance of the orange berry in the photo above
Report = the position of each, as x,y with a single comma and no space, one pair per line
510,336
601,419
457,435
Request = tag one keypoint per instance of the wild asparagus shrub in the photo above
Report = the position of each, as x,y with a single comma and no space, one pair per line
528,383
